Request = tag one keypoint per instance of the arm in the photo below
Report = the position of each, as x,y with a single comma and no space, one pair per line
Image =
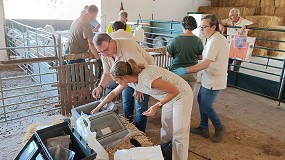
96,28
204,64
105,80
92,48
222,26
110,28
248,25
128,28
171,90
109,98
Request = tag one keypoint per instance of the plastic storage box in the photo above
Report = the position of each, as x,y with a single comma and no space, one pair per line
87,108
35,148
106,123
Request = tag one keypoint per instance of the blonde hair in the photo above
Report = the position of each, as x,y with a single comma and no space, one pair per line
129,67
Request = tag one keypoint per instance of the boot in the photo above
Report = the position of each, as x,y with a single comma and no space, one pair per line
204,132
218,136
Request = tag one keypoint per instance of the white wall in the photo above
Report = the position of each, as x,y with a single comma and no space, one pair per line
3,53
161,9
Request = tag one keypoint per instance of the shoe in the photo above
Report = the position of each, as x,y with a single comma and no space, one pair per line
204,132
218,136
166,149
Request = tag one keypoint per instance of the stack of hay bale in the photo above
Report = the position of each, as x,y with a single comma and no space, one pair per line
265,13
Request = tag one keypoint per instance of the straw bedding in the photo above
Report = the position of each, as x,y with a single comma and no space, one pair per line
138,135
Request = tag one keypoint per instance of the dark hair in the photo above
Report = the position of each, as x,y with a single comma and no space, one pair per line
86,7
122,68
92,9
99,38
213,21
119,25
189,22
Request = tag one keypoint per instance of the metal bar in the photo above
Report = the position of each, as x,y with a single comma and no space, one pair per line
270,49
26,47
2,95
29,115
36,85
266,65
34,100
277,59
30,93
281,84
258,70
37,106
31,75
21,61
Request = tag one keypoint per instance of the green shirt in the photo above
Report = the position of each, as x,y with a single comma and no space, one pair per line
184,51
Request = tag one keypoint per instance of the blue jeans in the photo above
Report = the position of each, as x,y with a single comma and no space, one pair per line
206,98
111,86
128,106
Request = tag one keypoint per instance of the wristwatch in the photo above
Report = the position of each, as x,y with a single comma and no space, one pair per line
101,87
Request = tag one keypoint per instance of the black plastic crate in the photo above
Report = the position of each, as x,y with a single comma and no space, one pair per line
36,149
32,150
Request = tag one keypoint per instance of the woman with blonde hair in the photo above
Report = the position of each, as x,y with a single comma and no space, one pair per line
174,94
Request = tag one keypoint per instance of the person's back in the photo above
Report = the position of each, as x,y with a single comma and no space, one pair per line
150,73
119,31
81,32
186,50
123,17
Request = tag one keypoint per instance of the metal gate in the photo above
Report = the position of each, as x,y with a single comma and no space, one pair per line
26,80
263,75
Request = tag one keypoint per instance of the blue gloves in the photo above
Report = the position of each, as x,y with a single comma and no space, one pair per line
180,71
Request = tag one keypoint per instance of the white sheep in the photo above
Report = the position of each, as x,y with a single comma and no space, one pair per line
13,32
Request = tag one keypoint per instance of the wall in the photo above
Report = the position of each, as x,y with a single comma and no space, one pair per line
160,9
3,53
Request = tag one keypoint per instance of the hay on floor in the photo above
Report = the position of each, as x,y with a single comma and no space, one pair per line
138,135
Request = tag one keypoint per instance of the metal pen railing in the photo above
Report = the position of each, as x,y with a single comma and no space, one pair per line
28,88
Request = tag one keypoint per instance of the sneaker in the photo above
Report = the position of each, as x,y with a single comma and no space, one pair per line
204,132
218,136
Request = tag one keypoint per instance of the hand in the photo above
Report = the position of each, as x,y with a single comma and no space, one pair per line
151,111
95,110
222,28
96,93
241,31
138,96
180,71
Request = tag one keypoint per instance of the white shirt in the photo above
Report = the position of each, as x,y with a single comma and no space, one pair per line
216,50
240,23
151,73
121,34
127,49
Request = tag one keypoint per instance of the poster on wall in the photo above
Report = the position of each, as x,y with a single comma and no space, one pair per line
241,47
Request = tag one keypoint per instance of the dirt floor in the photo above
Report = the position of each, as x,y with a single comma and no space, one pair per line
254,129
